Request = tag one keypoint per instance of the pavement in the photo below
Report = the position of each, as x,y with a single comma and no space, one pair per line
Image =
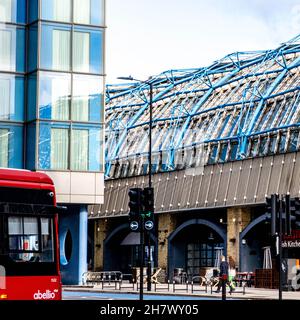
181,291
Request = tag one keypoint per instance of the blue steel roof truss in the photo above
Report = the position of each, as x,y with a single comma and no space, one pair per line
238,99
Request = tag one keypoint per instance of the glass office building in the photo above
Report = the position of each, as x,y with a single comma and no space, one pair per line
52,93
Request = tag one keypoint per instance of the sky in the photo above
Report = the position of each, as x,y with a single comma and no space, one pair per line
147,37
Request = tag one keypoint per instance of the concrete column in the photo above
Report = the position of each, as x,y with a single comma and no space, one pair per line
101,228
237,220
166,225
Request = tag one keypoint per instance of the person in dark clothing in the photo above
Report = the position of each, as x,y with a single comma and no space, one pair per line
223,276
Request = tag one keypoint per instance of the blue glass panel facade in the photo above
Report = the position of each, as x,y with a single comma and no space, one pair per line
31,96
60,112
12,89
13,11
54,95
33,10
12,48
97,12
14,136
55,51
32,58
94,49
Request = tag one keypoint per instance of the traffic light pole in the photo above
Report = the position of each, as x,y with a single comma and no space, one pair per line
150,185
142,233
280,248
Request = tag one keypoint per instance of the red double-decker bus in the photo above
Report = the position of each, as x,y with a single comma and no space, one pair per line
29,253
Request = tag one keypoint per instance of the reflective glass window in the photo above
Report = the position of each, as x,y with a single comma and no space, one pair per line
33,10
87,101
86,148
88,50
59,148
32,58
31,96
11,97
4,134
13,11
57,10
56,47
82,11
53,146
25,234
11,145
80,144
81,58
54,95
12,48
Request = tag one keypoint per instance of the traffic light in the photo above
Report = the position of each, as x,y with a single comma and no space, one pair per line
295,212
135,207
272,204
268,209
288,217
148,208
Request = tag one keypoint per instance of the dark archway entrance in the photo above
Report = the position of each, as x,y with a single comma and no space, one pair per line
253,239
121,250
192,246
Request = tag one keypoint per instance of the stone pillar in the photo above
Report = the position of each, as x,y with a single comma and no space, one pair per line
101,228
166,225
237,220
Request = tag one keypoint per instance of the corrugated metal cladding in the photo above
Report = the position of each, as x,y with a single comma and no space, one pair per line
236,183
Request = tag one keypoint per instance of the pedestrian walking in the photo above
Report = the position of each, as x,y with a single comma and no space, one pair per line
223,276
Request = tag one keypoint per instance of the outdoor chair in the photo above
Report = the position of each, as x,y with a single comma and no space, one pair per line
209,279
154,276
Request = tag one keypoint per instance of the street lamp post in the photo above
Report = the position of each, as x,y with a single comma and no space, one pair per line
149,83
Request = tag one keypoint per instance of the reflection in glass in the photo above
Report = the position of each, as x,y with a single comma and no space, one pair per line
87,98
61,50
56,10
6,54
6,10
59,148
4,134
24,240
79,158
81,52
55,92
82,11
12,48
4,98
62,10
47,239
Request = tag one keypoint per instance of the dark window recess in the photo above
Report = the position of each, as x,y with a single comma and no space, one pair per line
233,151
282,143
200,255
68,246
292,146
30,196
